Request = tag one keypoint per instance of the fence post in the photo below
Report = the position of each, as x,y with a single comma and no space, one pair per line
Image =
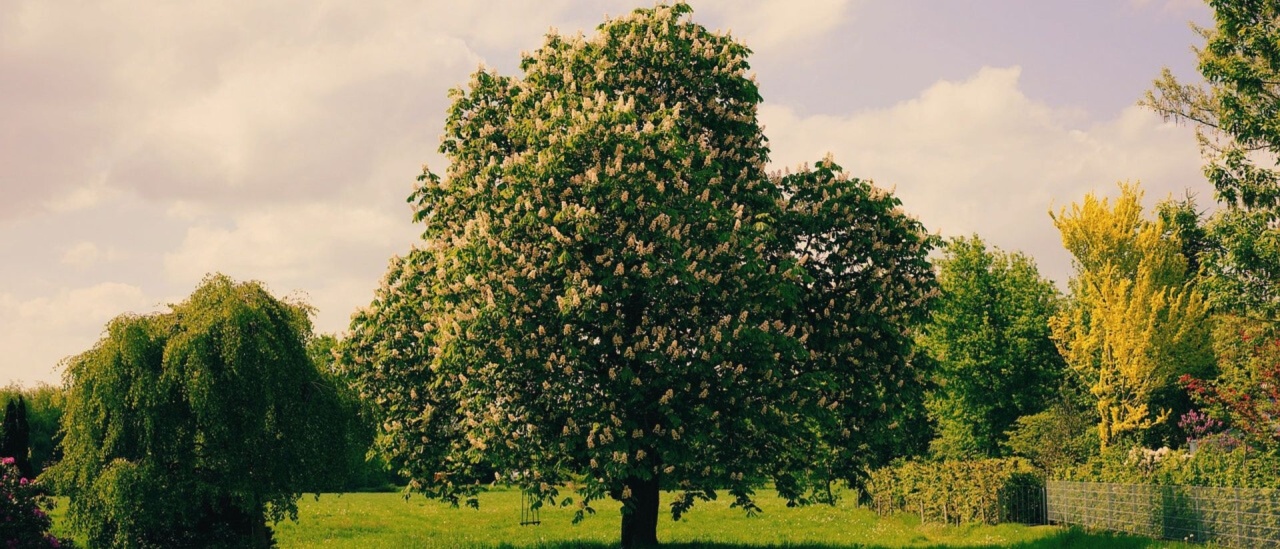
1195,521
1240,534
982,499
1044,500
1041,503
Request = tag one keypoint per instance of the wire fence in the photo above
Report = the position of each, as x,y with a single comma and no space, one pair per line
1236,517
1232,517
1025,504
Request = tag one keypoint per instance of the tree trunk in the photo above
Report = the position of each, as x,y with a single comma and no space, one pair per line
640,514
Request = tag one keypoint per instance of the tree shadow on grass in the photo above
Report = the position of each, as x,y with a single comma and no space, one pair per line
1064,539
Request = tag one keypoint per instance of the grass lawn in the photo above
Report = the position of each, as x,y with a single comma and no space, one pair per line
388,520
384,520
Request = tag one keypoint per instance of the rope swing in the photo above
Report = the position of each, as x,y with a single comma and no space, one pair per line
530,513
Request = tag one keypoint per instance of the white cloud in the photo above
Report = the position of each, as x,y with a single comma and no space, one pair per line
39,332
83,197
336,254
231,102
285,244
1175,7
87,254
980,156
766,24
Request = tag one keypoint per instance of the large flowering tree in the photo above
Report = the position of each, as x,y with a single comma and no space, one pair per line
612,294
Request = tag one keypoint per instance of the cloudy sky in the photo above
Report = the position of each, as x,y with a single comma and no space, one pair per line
145,144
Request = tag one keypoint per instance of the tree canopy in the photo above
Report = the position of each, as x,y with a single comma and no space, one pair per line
1135,322
190,428
989,333
1236,113
15,437
612,293
42,405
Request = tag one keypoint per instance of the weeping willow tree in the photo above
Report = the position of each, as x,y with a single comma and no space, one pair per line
195,427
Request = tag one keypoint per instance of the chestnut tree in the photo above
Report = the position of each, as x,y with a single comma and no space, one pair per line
612,295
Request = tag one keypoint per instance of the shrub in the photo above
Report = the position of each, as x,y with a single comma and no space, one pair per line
950,491
1218,465
1061,436
1246,394
23,520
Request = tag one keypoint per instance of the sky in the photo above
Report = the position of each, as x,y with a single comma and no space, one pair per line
144,145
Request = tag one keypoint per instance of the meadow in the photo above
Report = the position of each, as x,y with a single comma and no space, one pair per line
388,520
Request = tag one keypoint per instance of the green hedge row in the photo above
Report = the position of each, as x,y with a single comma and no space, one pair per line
954,491
1209,466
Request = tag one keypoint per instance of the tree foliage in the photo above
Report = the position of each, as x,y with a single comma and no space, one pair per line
43,404
1135,322
361,468
1062,435
1183,220
611,291
1243,265
15,440
989,333
1236,112
191,428
1247,390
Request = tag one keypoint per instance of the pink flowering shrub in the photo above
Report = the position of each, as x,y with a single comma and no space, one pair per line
23,521
1207,431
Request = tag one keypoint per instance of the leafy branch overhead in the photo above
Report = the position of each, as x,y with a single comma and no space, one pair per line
1236,113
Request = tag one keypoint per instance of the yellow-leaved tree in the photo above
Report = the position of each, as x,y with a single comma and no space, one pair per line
1135,321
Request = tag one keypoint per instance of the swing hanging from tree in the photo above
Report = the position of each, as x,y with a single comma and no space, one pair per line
530,510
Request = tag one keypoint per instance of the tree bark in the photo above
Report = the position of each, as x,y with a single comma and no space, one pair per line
640,514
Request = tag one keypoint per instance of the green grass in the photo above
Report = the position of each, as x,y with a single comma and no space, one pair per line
383,520
387,520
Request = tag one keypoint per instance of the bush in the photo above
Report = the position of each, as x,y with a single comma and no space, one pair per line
1064,435
1218,465
950,491
1246,394
23,520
